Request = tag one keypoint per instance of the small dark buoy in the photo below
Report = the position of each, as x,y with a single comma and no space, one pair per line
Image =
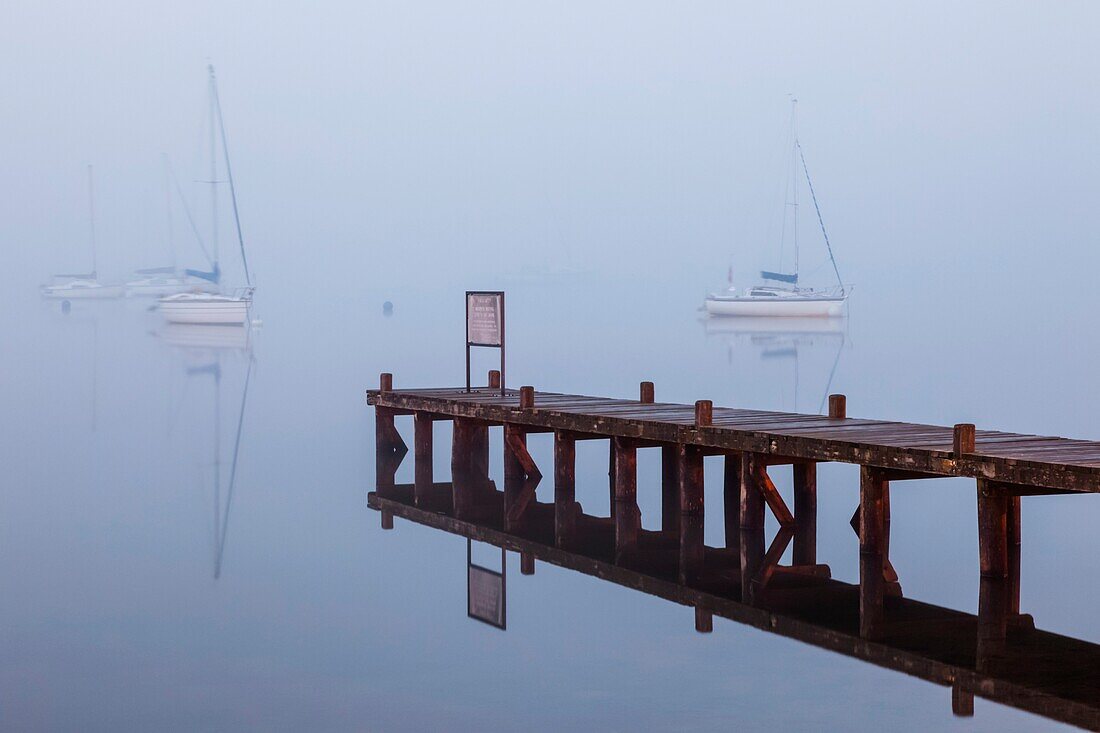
66,306
387,308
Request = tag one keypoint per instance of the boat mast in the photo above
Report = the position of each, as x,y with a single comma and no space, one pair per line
91,224
168,212
794,186
229,176
213,172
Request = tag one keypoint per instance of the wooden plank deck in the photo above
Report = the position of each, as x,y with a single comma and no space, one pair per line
1036,461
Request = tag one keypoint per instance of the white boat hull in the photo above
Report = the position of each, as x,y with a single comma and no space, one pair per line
195,308
787,307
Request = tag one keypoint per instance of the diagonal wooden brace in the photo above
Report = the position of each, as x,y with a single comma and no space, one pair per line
390,450
773,498
770,563
521,477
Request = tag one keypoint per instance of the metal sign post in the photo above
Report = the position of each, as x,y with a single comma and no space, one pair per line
485,326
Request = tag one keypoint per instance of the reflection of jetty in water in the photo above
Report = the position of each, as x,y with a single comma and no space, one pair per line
997,654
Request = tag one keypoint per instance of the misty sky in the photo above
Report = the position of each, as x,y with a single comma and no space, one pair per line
447,144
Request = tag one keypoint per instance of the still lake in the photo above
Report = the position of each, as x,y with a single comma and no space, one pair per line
178,554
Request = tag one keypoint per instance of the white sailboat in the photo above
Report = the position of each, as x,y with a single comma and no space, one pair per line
780,294
204,307
83,285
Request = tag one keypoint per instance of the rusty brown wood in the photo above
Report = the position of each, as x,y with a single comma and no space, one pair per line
704,413
872,552
422,456
494,379
992,530
670,490
526,563
1032,461
521,477
526,397
963,439
628,522
645,393
731,499
805,514
692,550
465,484
566,509
772,497
838,406
390,450
751,540
704,620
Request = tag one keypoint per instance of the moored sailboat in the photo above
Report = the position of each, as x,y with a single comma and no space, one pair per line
205,307
781,294
87,284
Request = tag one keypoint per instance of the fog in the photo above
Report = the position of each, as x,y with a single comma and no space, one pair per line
605,164
442,144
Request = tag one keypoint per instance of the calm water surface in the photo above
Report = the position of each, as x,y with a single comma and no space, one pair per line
177,554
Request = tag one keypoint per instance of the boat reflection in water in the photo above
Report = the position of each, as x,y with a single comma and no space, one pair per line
997,654
204,349
777,340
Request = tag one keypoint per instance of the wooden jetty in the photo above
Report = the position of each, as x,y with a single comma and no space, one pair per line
744,579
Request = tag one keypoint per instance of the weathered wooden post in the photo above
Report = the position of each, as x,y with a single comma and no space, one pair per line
515,440
422,455
838,406
526,563
389,448
645,391
964,438
962,701
387,519
1013,524
627,516
704,413
805,514
751,512
565,489
526,398
731,499
704,620
872,551
692,547
494,379
670,490
463,490
993,593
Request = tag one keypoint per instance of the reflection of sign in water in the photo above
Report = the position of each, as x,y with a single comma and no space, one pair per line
485,591
484,325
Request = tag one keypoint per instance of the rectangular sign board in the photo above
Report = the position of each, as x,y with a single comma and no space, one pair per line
486,591
486,596
485,319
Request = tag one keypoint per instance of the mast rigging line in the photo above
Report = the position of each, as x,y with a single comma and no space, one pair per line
817,209
229,174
